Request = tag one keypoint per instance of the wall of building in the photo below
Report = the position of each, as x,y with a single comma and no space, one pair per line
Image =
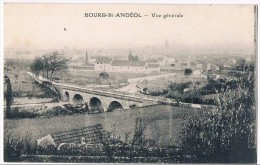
101,67
125,69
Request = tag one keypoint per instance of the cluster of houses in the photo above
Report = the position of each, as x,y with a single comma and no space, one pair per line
148,66
108,64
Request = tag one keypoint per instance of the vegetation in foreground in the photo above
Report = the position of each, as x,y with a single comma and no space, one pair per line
139,148
226,135
154,118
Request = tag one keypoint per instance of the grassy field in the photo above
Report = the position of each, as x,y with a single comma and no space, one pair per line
85,77
21,81
163,123
160,84
25,89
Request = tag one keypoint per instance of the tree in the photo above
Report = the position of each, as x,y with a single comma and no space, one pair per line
104,75
139,139
145,90
224,135
37,65
8,97
136,58
132,57
48,65
175,95
187,72
56,64
173,86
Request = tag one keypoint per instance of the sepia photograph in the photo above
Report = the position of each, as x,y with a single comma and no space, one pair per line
129,83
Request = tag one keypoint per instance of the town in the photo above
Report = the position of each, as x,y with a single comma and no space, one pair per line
92,83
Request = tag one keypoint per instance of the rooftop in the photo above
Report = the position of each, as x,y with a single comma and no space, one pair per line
104,60
91,134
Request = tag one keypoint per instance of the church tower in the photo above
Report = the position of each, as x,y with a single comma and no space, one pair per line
86,57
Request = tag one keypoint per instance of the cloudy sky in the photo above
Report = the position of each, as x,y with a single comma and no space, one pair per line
202,27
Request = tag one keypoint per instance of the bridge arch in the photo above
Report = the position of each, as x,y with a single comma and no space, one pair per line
95,105
78,99
114,105
66,96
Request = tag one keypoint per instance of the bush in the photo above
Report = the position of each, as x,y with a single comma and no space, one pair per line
227,134
187,72
14,147
133,106
179,87
104,75
15,113
165,91
156,93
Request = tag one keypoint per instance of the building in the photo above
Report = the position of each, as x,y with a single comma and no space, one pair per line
127,66
90,134
107,64
162,61
102,63
153,61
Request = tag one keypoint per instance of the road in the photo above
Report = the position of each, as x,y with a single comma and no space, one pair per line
48,104
130,88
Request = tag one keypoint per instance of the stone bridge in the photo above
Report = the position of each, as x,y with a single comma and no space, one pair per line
101,100
98,100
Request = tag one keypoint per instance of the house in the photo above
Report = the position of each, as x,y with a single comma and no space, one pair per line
152,61
102,63
162,61
88,135
206,66
125,66
170,60
197,72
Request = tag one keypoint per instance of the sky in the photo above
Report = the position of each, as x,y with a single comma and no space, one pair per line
213,28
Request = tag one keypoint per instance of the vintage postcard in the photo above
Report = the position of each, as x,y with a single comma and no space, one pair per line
129,83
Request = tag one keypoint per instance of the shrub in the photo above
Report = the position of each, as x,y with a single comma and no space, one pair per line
133,106
15,146
15,113
165,91
223,135
187,71
156,93
104,75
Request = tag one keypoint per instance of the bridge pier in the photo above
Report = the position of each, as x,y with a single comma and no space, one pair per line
105,106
